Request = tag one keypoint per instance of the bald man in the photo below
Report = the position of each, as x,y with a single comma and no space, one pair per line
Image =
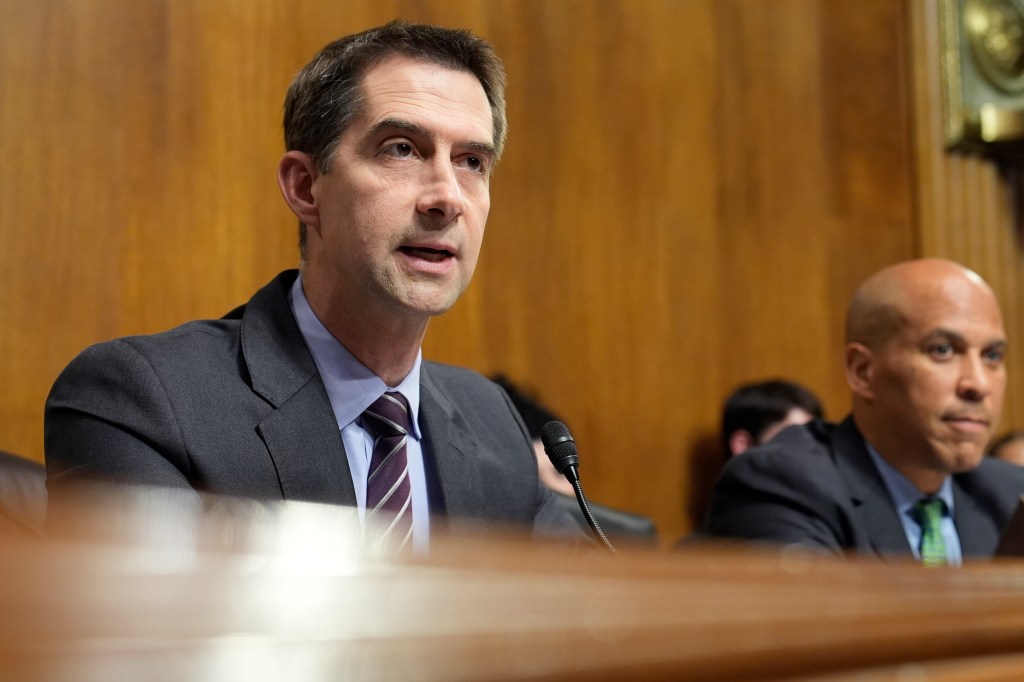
924,362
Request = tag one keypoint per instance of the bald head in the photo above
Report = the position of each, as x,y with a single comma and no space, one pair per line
924,361
885,302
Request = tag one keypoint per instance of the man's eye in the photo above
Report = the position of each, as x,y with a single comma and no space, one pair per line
399,149
994,356
941,350
476,164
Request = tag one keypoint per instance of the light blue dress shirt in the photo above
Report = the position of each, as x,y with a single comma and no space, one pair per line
351,388
905,495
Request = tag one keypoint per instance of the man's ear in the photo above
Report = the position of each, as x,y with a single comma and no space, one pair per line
860,370
740,441
296,174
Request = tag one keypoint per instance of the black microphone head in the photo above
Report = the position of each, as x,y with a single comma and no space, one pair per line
559,446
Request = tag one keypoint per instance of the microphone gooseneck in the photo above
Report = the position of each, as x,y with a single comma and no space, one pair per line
561,450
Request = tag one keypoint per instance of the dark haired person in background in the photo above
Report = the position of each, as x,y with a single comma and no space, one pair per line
752,415
392,136
620,526
755,413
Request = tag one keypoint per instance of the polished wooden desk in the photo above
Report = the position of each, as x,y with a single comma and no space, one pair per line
240,591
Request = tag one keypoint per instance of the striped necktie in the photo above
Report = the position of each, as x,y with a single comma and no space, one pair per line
929,513
388,492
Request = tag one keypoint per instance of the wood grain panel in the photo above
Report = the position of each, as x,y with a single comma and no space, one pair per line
817,191
690,193
609,234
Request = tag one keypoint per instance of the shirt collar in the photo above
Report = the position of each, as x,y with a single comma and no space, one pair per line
351,386
905,494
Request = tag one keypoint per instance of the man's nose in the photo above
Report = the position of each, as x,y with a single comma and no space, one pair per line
441,197
975,382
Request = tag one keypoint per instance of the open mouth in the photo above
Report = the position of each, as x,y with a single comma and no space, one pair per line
432,255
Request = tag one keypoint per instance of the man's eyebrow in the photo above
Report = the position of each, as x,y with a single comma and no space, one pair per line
941,333
951,335
416,129
399,124
481,147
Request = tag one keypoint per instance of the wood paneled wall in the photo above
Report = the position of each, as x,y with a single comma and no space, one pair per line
690,193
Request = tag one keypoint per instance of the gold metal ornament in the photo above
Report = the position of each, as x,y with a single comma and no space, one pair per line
983,72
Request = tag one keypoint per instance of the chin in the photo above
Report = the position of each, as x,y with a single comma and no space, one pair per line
431,308
966,458
431,302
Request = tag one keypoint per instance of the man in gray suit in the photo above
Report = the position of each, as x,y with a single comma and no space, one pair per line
391,137
905,473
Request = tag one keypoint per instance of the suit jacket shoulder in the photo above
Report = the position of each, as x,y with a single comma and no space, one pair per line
232,406
789,491
984,500
817,486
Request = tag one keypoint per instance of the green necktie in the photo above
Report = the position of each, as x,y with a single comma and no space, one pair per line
928,513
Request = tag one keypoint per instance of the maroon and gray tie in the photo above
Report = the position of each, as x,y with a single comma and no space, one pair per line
388,492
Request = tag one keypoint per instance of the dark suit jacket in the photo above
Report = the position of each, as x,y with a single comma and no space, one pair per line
236,407
817,486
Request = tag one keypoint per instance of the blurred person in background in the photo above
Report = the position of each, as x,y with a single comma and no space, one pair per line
620,526
756,412
1009,447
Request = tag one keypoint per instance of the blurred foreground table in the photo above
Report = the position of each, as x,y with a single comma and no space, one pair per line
146,589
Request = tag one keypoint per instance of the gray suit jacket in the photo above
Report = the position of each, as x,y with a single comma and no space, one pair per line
236,407
816,486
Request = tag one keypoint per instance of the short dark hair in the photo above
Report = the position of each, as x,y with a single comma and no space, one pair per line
755,407
535,415
326,95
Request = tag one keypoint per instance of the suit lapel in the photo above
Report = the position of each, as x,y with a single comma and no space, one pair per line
869,498
305,443
451,448
301,433
979,536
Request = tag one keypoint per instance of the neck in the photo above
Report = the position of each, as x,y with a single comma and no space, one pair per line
901,456
392,368
927,481
387,351
383,341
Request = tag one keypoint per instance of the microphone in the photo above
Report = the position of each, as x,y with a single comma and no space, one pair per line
561,450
